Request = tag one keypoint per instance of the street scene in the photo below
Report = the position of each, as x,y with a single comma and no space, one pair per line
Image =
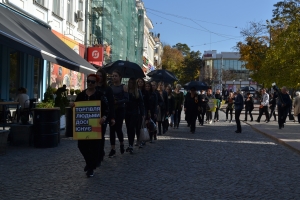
213,163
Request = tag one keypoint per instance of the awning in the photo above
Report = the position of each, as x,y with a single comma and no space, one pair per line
27,36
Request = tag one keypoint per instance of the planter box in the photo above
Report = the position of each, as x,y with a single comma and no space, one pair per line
21,134
3,141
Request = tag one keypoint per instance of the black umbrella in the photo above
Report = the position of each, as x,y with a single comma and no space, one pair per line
162,75
248,88
127,69
198,85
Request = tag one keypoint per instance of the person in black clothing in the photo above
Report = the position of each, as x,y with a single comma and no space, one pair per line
171,102
90,149
107,91
238,107
179,98
283,105
134,107
203,101
163,109
273,105
219,97
141,86
120,98
249,106
159,102
151,107
191,105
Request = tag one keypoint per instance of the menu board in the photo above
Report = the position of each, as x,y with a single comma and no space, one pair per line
86,120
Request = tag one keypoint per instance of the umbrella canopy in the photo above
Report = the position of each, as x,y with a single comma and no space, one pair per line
162,75
198,85
247,88
127,69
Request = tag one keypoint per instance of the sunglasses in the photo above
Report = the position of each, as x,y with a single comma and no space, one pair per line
90,81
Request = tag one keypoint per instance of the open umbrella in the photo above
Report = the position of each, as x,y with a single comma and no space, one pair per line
248,88
127,69
198,85
162,75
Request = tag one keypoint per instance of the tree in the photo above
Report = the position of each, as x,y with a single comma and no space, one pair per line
184,48
190,69
171,58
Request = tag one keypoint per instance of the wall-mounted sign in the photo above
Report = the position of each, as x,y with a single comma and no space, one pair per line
86,120
95,55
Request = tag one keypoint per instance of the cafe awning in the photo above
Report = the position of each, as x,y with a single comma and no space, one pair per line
23,34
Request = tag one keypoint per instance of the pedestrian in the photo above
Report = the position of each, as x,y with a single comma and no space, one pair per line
226,94
264,106
171,102
191,105
208,111
249,106
90,149
141,86
134,107
107,91
218,96
283,105
238,107
120,92
272,104
229,107
296,106
159,103
179,98
203,101
163,109
151,107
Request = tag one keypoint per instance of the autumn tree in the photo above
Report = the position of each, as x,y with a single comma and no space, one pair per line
172,58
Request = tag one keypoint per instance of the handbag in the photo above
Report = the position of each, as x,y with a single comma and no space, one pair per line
261,106
144,134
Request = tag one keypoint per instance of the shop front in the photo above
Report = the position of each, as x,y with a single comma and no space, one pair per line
32,56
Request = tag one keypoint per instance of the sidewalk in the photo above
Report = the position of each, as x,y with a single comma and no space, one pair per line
288,136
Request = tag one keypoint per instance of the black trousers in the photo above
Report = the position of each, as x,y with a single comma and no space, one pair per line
117,128
263,110
250,113
90,150
101,153
192,120
201,114
272,112
132,123
282,114
229,111
177,117
237,114
217,114
208,115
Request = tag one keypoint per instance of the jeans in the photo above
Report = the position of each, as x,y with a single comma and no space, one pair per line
217,114
272,112
263,110
227,111
177,117
246,114
132,123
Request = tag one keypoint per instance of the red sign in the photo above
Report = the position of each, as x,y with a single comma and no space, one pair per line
95,55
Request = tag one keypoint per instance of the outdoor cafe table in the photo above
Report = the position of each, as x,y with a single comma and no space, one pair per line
4,107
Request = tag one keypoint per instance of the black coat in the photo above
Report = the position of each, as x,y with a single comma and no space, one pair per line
191,104
249,105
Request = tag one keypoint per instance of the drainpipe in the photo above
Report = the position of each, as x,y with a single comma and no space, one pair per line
28,14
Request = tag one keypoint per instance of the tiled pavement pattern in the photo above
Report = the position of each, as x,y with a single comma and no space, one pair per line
213,163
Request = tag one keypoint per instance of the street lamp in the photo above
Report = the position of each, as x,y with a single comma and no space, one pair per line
233,85
249,82
240,83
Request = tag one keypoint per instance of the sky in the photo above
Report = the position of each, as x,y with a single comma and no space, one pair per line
206,24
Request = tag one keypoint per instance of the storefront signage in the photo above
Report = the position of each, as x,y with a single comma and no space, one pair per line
95,54
86,120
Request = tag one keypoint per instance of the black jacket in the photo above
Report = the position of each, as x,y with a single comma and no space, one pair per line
249,105
135,105
191,104
107,91
152,102
171,103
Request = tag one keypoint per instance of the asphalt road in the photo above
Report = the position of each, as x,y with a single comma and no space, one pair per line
213,163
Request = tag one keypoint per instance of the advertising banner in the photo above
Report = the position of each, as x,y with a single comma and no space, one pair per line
86,120
212,103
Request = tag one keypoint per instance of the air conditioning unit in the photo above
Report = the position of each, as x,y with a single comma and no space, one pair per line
79,15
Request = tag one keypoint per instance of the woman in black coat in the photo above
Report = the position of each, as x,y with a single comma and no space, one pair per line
249,106
191,106
171,104
151,108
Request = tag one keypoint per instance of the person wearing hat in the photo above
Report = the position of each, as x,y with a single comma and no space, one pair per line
238,107
191,105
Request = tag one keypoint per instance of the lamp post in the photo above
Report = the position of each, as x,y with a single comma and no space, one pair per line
233,85
249,82
240,83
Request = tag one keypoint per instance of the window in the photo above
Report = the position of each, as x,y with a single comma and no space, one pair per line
43,3
80,7
57,7
70,12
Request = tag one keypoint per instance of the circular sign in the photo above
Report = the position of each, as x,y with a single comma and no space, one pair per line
95,54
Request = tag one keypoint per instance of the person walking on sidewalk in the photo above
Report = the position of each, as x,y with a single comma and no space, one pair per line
272,104
249,106
218,97
229,107
296,106
191,105
91,149
203,100
179,98
120,98
264,106
238,107
208,111
283,104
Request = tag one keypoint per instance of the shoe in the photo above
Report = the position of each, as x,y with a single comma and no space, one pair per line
127,150
141,146
218,120
230,121
136,144
267,121
151,141
226,120
210,121
245,120
215,120
171,124
155,138
257,121
112,153
199,123
193,132
237,131
90,173
130,150
251,120
85,168
122,150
